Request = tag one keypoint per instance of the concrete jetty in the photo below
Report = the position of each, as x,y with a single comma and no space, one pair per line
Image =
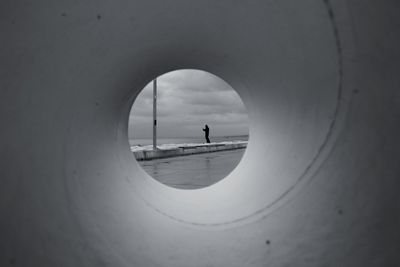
187,149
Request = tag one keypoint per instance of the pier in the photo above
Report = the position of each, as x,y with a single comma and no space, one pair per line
186,149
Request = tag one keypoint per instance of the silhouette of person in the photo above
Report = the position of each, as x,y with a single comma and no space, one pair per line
207,133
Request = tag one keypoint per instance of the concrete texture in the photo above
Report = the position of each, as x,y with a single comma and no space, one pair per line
186,150
193,171
317,186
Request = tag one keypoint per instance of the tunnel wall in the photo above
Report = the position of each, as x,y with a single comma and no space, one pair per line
317,186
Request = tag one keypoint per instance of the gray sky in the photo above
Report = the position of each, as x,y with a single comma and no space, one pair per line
188,99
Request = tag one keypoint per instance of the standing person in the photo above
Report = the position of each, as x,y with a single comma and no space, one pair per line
207,133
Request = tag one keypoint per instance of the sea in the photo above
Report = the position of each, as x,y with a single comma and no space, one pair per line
186,140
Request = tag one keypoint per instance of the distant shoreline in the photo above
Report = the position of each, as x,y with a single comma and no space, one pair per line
189,137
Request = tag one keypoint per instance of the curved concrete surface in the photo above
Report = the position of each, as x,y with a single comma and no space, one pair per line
317,186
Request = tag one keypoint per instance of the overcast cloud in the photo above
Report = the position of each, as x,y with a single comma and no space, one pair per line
186,100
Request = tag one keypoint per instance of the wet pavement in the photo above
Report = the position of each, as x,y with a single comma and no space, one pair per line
194,171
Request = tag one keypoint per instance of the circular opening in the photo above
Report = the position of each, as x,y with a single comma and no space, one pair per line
188,129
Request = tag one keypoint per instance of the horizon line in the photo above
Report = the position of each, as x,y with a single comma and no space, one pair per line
175,137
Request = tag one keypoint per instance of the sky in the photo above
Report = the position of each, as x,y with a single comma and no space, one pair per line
186,101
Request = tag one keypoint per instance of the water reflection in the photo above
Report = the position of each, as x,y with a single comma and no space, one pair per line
195,171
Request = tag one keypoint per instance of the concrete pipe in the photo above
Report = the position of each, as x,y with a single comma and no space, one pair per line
317,186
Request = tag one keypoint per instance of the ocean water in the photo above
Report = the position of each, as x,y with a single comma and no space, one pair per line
186,140
193,171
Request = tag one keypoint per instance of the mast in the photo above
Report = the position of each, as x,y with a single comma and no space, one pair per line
155,114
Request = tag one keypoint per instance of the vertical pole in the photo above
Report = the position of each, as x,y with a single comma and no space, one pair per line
155,114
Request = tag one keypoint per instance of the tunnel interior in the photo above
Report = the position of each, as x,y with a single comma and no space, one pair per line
317,185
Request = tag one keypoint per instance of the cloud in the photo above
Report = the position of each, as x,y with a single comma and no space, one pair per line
186,100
